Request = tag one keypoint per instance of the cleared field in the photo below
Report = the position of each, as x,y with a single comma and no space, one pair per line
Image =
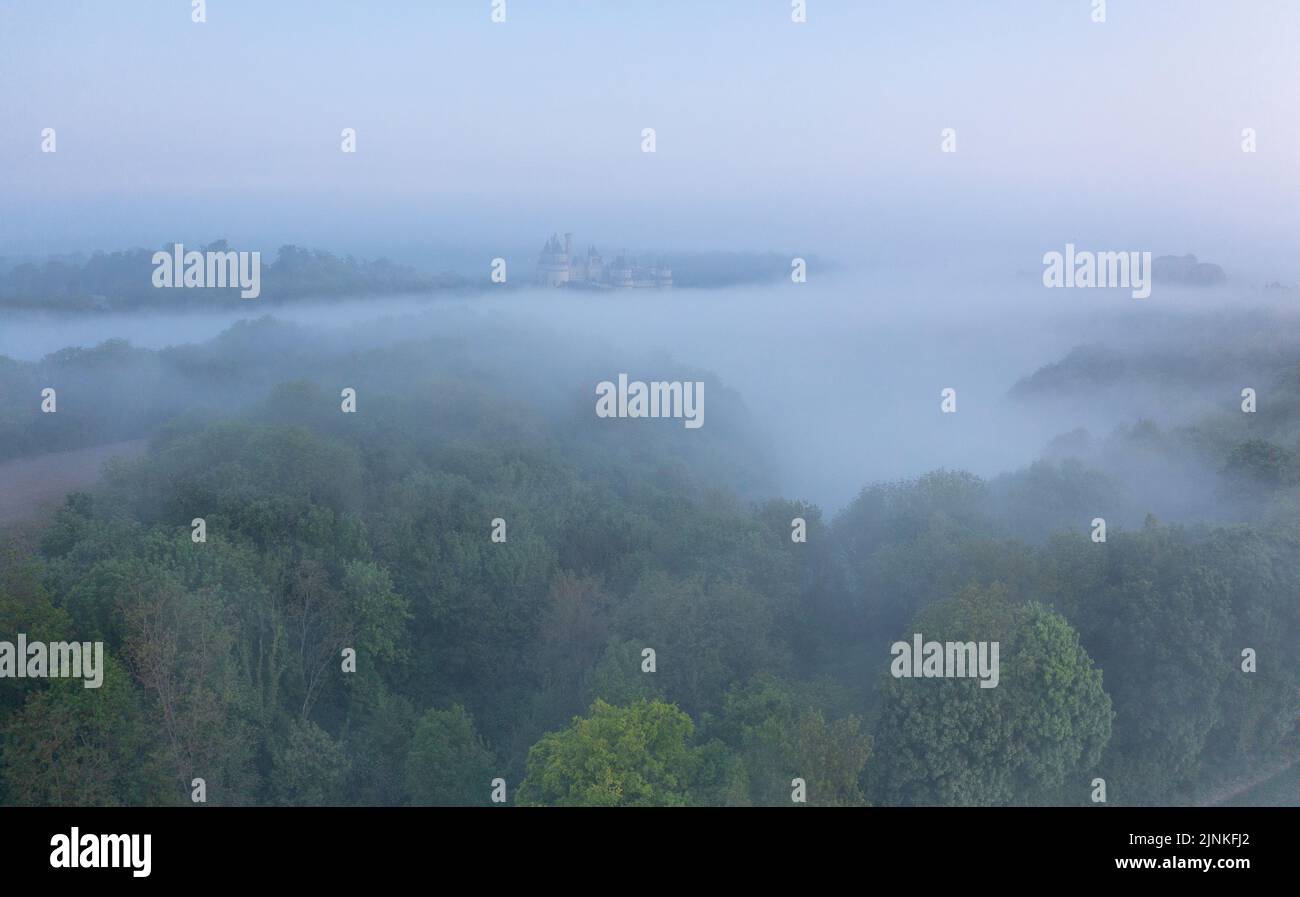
32,487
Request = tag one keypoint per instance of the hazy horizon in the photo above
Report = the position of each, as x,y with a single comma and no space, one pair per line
818,138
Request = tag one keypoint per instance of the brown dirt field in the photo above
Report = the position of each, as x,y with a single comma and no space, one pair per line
33,487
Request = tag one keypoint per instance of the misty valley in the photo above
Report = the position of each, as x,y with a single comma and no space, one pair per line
357,476
398,557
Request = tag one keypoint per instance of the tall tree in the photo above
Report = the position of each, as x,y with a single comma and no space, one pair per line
639,755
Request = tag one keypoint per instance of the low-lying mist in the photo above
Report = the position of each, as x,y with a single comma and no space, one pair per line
836,383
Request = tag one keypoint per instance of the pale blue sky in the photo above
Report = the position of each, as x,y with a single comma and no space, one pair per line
818,137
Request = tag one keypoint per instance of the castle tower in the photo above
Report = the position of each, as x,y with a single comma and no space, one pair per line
663,275
553,265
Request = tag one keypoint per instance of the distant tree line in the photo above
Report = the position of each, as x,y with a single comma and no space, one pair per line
124,280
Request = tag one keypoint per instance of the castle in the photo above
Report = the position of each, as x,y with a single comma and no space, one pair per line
559,267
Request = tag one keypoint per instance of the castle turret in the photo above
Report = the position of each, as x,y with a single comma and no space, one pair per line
553,264
663,275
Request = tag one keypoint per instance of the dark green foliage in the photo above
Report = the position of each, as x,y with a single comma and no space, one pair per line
526,659
1032,739
448,764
